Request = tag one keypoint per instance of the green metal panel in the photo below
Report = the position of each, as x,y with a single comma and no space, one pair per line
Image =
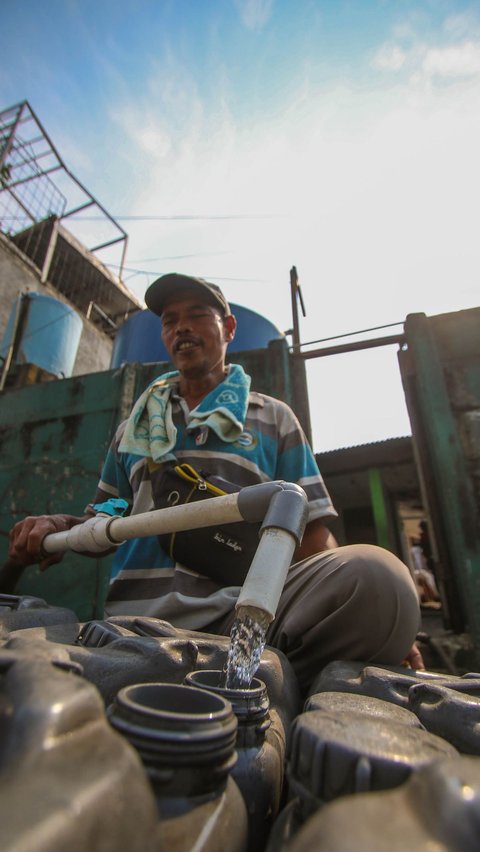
53,437
441,352
379,507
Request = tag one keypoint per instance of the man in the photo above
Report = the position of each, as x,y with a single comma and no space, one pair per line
356,602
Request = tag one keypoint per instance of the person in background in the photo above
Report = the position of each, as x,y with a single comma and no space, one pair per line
356,602
427,550
424,579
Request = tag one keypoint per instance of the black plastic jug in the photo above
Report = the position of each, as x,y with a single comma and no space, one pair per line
334,753
259,768
67,780
436,809
186,740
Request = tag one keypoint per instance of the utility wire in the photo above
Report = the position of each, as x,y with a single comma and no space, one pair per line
180,256
157,273
182,217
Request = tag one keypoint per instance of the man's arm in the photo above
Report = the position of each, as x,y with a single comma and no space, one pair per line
10,573
26,538
317,537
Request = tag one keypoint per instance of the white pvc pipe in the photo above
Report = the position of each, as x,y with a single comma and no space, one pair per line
100,533
266,578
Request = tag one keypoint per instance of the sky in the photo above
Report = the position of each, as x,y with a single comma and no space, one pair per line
234,139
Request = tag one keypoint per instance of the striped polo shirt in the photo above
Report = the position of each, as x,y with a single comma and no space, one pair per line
272,446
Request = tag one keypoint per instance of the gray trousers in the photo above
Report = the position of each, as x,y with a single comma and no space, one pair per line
357,602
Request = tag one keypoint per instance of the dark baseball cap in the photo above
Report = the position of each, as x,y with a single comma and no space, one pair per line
174,284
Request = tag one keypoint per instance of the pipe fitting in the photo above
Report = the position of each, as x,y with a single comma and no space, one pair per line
254,500
91,536
288,510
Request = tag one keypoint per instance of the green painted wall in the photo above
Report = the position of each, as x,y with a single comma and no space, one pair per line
52,440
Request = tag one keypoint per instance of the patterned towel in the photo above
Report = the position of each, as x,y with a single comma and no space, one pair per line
150,430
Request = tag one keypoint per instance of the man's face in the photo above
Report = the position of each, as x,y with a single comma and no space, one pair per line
195,334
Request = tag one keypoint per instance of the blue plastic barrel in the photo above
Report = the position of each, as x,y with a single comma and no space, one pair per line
50,334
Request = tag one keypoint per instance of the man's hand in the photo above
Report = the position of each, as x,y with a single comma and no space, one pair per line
26,538
415,659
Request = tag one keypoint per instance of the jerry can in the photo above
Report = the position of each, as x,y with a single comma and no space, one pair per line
335,753
258,771
436,809
67,780
186,740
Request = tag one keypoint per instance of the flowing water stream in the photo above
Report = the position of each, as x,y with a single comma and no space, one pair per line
247,641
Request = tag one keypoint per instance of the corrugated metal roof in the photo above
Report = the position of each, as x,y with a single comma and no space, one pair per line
385,442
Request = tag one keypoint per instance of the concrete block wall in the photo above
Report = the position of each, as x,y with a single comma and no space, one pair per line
18,274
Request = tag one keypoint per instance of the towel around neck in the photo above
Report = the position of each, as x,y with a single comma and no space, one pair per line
150,430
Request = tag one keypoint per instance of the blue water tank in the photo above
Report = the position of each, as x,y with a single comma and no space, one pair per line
139,339
49,334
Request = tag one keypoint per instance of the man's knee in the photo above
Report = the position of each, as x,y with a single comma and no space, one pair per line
356,602
377,573
374,565
387,595
371,569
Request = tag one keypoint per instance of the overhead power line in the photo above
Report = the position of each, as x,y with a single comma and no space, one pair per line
185,217
162,272
180,256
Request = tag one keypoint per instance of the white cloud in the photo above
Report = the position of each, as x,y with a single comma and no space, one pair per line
453,62
390,57
146,130
454,55
254,13
464,24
